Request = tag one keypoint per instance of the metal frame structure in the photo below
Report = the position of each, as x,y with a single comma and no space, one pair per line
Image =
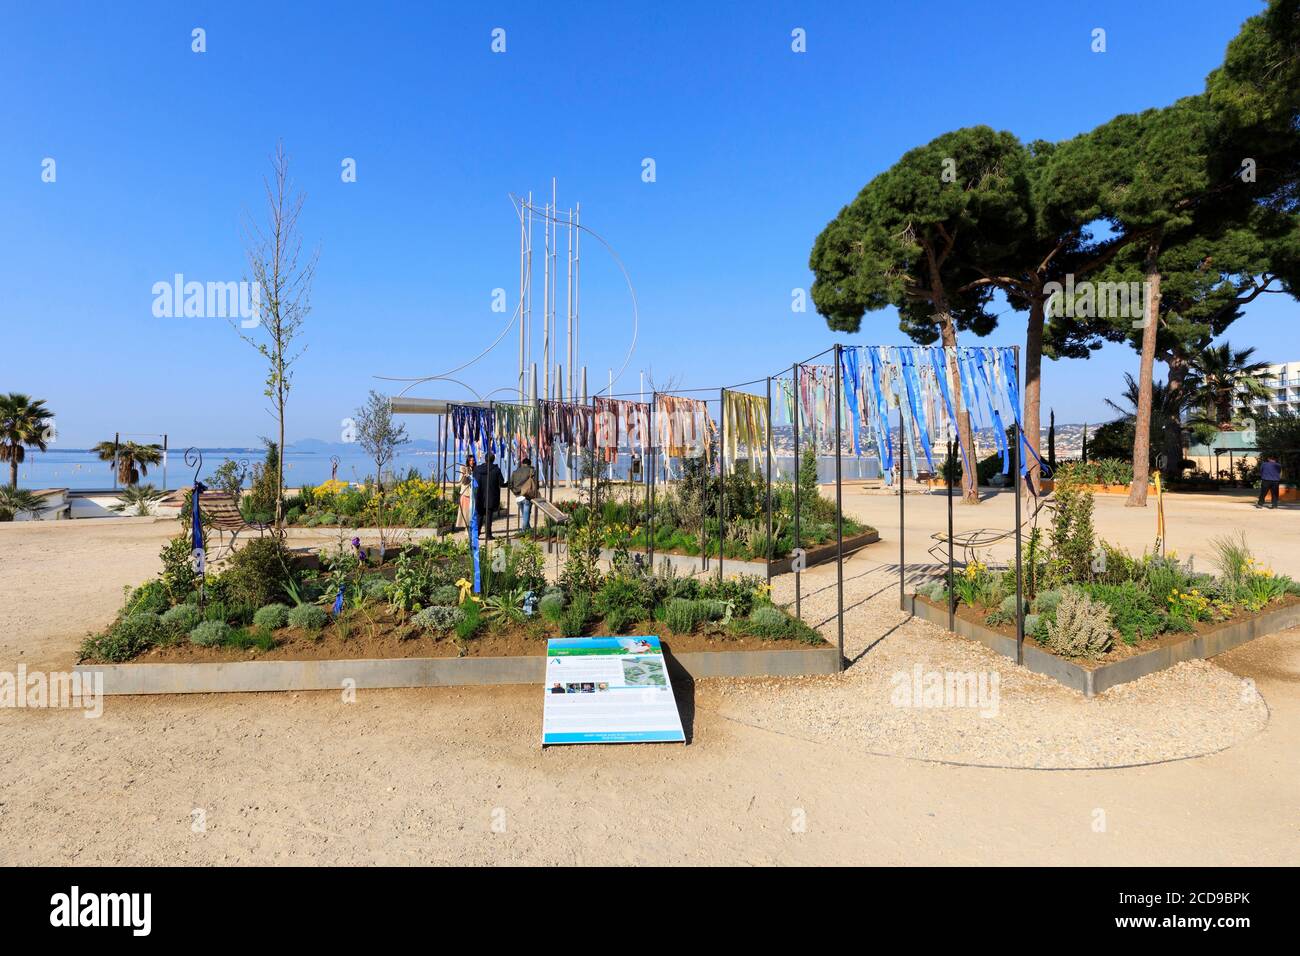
652,466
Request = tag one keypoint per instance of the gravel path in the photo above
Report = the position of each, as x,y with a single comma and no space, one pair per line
995,714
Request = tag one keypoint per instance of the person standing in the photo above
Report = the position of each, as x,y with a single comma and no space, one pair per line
467,490
488,495
1270,479
523,485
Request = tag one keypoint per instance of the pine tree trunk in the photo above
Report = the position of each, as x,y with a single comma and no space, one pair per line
1033,384
1179,366
1137,497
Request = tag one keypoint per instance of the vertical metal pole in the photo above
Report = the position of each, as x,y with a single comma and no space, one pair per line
722,477
650,492
902,587
797,558
523,268
164,462
839,518
1020,601
577,288
768,554
442,456
117,440
546,301
704,494
595,465
568,362
951,468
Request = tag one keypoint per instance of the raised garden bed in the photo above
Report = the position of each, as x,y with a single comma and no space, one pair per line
413,619
692,563
1125,662
281,675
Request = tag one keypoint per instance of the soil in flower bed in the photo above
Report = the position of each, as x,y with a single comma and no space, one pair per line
384,637
1119,649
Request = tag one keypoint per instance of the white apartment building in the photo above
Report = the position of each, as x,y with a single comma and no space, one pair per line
1283,382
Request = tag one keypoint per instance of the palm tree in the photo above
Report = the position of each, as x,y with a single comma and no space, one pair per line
1167,407
139,497
14,501
133,460
23,423
1226,378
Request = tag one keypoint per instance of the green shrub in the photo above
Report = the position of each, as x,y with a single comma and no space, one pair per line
1135,614
769,623
1007,607
180,620
1082,627
152,597
178,574
574,618
257,572
440,618
376,587
1072,536
682,615
470,623
127,638
445,595
244,639
211,633
551,606
271,617
738,591
308,617
1032,623
1046,602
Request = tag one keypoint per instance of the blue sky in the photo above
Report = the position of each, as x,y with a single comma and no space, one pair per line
160,150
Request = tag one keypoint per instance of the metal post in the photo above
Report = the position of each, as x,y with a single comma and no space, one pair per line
117,440
839,518
595,465
902,587
952,595
722,477
164,462
769,552
797,558
654,463
1020,601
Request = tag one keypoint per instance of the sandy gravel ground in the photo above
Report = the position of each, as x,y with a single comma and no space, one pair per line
822,770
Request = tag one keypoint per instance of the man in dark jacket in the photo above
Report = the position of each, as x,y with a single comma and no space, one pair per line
487,498
1270,477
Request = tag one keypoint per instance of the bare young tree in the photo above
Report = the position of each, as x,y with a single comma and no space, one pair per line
282,277
380,437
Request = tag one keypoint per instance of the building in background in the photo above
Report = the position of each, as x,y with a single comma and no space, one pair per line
1283,382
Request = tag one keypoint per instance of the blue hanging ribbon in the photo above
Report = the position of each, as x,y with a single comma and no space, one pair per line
939,360
473,531
881,416
912,385
196,517
1012,384
1000,431
338,602
849,388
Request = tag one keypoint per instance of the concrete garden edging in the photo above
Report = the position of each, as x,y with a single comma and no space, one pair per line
253,676
1092,681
